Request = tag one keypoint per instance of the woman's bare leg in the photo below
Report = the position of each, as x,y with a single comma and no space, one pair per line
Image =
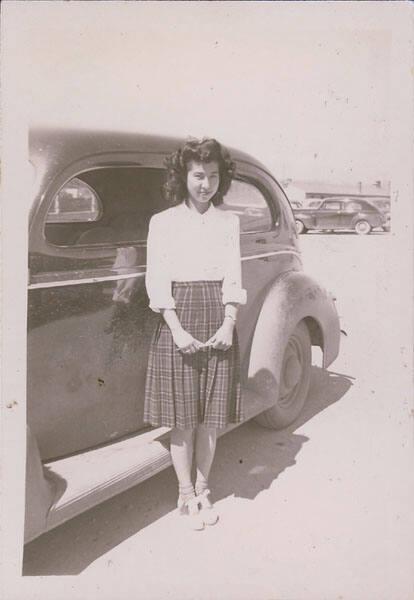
181,448
205,447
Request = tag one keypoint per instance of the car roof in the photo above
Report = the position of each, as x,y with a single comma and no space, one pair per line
344,198
357,198
64,145
377,199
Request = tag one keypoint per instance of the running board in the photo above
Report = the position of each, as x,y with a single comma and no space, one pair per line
91,477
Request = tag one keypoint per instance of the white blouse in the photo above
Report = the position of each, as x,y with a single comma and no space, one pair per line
184,245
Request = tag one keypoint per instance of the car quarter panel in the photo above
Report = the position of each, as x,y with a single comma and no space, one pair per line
291,298
373,217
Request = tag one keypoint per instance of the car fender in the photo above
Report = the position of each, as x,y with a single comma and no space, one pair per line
292,297
306,218
40,491
373,220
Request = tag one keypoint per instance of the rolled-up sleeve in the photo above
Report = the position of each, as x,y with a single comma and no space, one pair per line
158,278
232,282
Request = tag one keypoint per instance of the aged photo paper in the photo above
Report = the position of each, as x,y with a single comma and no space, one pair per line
322,93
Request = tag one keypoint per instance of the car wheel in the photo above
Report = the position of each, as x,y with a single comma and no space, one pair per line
294,381
362,227
300,227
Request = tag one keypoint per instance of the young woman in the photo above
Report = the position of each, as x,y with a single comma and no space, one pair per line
194,281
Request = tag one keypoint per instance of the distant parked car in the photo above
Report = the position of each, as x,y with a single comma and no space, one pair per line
339,214
89,323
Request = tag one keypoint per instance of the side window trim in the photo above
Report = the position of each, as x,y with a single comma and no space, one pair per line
100,247
53,215
248,179
338,205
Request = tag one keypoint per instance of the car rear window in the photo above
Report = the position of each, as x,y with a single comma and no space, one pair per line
105,206
332,205
75,202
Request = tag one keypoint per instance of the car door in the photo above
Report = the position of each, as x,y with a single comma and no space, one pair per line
328,216
351,212
89,324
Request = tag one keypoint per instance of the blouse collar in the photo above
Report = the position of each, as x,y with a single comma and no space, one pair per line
208,214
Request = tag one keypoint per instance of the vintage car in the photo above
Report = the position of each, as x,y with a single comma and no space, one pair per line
89,324
338,213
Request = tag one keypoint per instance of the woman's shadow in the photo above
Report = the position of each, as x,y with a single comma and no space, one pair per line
248,463
248,460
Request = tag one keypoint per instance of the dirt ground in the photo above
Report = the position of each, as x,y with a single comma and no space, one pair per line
319,511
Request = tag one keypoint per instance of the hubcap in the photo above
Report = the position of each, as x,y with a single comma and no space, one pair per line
291,372
363,227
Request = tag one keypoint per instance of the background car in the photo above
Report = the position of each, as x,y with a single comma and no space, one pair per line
89,324
338,213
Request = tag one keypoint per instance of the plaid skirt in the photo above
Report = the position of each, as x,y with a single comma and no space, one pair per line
185,390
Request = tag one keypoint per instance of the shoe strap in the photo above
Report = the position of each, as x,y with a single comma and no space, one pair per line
206,492
192,505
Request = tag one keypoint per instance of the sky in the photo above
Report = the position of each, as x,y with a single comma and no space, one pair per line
303,87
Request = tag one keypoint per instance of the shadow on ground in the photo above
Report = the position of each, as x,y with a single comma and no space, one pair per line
249,463
248,460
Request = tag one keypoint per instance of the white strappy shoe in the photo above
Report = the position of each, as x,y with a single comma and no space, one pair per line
208,513
190,510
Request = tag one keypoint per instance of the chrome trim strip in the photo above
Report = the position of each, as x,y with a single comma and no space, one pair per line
265,254
51,284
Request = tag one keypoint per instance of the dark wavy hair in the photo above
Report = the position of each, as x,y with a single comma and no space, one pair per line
201,151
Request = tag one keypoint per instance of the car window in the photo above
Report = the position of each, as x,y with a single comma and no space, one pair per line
105,206
353,206
247,201
75,202
314,204
332,205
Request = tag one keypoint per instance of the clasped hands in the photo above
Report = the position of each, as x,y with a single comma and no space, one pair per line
221,340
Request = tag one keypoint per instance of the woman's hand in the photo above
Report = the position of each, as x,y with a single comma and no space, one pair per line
186,343
223,338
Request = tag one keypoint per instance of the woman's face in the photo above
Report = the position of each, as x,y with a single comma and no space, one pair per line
202,181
